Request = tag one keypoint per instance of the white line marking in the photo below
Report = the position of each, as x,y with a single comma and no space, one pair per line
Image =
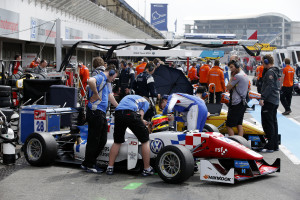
290,155
294,121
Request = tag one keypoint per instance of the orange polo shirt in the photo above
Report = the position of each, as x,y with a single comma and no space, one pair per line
216,76
203,73
259,71
288,80
193,74
140,68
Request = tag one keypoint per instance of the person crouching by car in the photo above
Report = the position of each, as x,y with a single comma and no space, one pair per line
193,108
130,113
238,87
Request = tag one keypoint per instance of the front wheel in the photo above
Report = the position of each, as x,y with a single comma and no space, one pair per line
40,149
175,164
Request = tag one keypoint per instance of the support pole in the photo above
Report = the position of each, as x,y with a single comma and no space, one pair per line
58,44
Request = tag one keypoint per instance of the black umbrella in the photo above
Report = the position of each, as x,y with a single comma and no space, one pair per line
169,80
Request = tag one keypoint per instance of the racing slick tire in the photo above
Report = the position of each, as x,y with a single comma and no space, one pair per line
5,102
175,164
5,91
210,128
241,140
40,149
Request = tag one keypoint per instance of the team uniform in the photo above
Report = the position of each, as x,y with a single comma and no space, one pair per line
194,108
287,87
193,75
97,123
216,76
259,73
203,75
270,95
127,116
84,75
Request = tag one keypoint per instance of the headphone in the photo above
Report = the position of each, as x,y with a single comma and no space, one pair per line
112,72
151,68
266,61
236,64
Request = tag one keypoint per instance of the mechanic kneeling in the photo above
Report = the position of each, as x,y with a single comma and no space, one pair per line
130,113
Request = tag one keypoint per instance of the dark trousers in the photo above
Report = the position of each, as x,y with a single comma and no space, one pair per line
286,94
270,125
205,85
97,136
194,81
212,96
259,84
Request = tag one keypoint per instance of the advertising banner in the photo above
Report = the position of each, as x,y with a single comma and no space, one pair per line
159,16
72,33
9,24
40,30
93,36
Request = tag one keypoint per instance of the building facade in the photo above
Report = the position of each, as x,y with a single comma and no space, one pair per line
29,27
273,28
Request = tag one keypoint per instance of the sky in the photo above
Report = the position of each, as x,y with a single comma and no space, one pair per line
185,10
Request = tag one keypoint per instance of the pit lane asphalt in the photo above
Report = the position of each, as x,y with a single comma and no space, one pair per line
23,181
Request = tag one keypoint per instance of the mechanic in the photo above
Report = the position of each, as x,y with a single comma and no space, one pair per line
216,76
298,70
15,66
259,73
98,65
192,75
286,86
126,79
141,67
203,74
144,86
35,62
84,75
130,113
194,109
99,95
269,102
201,93
41,69
238,87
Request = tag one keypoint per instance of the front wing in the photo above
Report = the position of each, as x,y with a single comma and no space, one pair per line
242,170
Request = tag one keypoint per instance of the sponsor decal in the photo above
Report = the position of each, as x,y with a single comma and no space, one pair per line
254,138
218,178
133,143
132,155
156,145
241,164
221,150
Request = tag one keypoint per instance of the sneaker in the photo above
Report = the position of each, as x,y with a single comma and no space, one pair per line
83,167
286,112
110,171
148,173
95,169
267,151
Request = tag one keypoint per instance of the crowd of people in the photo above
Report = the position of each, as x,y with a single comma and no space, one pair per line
136,85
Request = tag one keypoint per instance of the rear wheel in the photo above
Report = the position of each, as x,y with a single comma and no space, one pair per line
175,164
40,149
210,128
241,140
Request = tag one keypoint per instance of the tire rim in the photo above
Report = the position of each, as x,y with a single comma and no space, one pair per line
34,149
169,164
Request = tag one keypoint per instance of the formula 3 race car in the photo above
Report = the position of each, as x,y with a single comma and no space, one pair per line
174,153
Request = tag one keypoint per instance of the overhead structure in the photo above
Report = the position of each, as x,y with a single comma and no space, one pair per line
151,44
104,17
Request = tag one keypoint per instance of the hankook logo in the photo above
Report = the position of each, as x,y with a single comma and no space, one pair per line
219,178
